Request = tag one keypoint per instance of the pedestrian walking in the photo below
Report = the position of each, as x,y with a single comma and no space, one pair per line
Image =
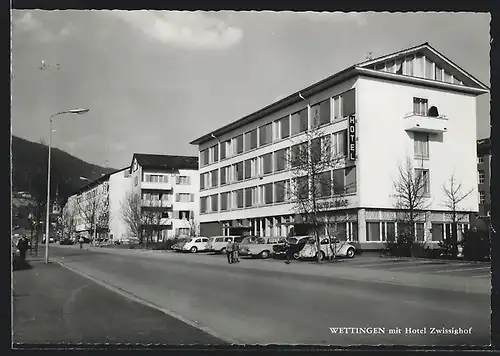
288,251
80,240
236,250
22,246
229,252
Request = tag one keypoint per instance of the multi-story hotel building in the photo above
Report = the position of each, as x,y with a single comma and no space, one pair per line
414,104
482,219
168,186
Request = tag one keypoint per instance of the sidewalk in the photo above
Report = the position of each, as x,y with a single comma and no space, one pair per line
53,305
326,270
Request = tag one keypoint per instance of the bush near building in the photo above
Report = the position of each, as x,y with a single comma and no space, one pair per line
476,245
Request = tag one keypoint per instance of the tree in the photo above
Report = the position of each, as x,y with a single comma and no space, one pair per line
68,221
131,214
93,207
194,227
454,195
314,192
411,191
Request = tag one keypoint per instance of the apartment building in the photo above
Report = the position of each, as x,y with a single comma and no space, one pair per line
413,104
168,186
481,220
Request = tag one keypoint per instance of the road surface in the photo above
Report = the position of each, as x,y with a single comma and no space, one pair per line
261,302
53,305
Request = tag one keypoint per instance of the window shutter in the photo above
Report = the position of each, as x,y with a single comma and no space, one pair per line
177,179
188,180
192,197
177,197
191,214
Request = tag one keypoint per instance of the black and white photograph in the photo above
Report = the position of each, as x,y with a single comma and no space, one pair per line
230,178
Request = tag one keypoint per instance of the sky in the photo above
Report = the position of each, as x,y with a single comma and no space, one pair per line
156,80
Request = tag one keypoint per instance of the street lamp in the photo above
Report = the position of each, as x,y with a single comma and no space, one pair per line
47,218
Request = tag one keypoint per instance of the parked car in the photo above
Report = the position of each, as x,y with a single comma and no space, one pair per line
195,244
180,243
218,243
296,244
257,246
66,242
328,245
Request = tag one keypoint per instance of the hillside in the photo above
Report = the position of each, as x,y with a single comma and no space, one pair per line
29,169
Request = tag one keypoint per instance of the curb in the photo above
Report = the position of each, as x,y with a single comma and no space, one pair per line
144,302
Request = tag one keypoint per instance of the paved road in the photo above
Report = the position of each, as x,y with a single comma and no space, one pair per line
53,305
256,302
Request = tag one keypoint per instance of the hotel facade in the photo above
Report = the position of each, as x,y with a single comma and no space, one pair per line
414,104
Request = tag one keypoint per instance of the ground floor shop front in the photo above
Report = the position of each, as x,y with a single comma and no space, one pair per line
369,229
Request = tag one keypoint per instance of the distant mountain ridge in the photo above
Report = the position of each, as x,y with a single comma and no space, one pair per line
29,169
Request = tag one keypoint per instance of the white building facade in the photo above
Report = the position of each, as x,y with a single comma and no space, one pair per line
169,186
414,104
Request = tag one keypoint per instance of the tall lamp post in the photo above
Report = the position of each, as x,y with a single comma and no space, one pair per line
47,218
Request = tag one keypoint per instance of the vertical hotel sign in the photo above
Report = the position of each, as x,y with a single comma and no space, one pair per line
352,138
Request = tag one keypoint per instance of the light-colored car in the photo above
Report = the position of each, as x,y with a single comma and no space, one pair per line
196,244
328,246
258,246
219,243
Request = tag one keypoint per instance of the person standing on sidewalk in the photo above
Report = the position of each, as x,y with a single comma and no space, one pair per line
288,251
229,252
236,250
22,246
80,240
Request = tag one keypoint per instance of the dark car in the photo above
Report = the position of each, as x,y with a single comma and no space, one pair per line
296,243
66,242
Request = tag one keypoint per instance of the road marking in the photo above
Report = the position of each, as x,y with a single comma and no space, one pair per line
144,302
461,270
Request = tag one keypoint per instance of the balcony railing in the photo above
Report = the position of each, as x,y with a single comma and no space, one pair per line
156,185
423,123
156,203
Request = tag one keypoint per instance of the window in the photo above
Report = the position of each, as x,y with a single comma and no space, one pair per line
391,231
248,168
214,154
409,65
280,191
283,128
429,72
183,197
182,180
238,144
321,149
214,175
399,66
338,182
420,106
421,144
299,152
438,72
214,200
265,134
324,184
267,193
184,214
320,113
480,159
389,67
204,157
302,187
419,231
481,177
267,163
340,143
437,232
299,122
280,160
225,149
373,231
482,198
238,171
419,68
348,103
202,181
238,198
224,201
251,140
350,179
422,180
184,231
203,204
224,175
447,77
337,113
249,197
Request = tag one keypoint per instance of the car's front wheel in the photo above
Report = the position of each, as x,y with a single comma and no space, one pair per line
223,250
193,249
321,255
350,253
264,254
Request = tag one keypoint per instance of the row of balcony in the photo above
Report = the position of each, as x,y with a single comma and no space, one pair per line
425,123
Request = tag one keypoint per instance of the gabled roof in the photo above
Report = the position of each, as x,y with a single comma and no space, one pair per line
434,56
165,161
367,68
